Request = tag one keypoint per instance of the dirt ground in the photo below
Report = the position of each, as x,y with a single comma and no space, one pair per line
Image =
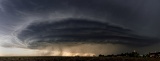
51,58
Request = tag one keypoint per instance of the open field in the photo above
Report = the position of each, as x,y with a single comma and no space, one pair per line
53,58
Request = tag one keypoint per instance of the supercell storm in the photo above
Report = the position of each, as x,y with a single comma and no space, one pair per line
78,27
80,31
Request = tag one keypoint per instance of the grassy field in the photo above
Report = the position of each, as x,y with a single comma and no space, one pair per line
51,58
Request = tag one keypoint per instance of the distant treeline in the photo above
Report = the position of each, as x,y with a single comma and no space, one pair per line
133,54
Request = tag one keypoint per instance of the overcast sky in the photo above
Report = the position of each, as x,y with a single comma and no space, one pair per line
66,25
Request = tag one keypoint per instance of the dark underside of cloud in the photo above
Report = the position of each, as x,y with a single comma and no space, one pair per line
81,30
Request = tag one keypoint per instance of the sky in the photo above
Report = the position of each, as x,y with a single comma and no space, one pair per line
78,27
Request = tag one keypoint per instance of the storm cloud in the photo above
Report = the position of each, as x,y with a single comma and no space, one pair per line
141,16
70,25
81,30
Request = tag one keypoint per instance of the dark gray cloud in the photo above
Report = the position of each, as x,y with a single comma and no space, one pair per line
81,30
141,16
36,23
